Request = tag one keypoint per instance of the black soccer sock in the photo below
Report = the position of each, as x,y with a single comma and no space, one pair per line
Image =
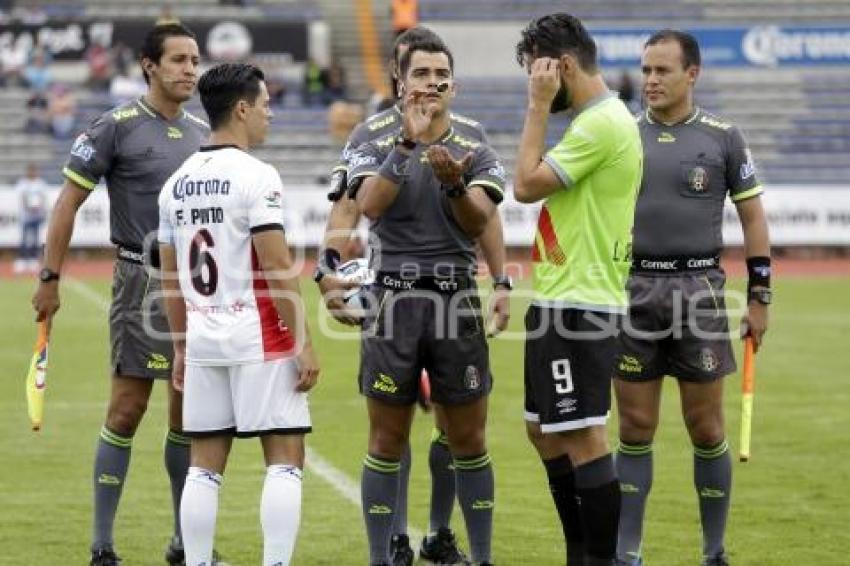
176,458
400,515
713,482
634,469
442,482
599,504
476,493
110,470
379,493
562,487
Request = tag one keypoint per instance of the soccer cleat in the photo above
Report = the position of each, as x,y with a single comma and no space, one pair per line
719,560
441,548
175,556
402,554
104,557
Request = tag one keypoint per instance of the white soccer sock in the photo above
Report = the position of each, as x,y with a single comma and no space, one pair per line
198,510
280,513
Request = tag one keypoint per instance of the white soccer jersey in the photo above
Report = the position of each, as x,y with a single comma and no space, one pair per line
209,209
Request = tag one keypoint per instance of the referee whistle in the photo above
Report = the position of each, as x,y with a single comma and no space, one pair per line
443,87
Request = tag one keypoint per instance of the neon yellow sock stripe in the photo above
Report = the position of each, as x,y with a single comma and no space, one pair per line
439,436
115,440
713,451
634,449
177,438
468,464
382,466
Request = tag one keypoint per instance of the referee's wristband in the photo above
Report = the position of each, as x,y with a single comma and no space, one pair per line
394,167
758,272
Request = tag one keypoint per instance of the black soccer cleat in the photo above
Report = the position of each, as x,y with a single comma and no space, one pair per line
441,548
719,560
174,554
104,557
400,551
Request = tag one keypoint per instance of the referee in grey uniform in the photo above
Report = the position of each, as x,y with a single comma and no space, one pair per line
135,148
677,322
428,193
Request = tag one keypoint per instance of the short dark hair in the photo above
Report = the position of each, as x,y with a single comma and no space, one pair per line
428,46
152,47
688,43
553,36
411,36
224,85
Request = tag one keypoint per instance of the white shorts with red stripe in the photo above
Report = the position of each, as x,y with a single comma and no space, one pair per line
244,400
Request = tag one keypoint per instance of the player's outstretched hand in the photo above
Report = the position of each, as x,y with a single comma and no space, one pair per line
333,292
417,114
499,313
308,368
544,81
178,370
45,301
754,323
446,169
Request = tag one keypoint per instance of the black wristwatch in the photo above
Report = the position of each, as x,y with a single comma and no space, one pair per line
319,273
456,190
503,281
407,144
762,296
46,274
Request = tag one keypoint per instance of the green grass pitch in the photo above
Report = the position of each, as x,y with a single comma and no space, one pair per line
789,502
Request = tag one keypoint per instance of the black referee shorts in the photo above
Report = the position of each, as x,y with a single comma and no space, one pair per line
408,330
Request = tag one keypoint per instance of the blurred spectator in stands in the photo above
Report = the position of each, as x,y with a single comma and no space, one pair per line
342,117
311,94
123,58
100,67
30,13
13,60
333,83
31,191
126,86
167,16
405,15
626,89
37,73
37,121
232,2
62,111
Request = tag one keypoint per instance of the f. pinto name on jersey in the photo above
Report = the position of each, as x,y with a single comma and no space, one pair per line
184,188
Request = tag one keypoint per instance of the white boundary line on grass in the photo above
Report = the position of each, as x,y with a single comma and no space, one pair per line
333,476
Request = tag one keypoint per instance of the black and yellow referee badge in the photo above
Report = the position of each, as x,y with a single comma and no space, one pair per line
174,133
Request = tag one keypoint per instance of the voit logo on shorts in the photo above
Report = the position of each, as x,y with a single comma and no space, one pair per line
385,383
158,361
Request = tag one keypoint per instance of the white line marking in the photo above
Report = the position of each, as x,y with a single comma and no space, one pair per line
333,476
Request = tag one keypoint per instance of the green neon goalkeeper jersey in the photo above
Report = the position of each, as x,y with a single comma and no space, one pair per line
582,248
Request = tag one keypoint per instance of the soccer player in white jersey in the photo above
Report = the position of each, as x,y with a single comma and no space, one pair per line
243,356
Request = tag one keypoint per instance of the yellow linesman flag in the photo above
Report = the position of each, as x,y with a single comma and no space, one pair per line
37,378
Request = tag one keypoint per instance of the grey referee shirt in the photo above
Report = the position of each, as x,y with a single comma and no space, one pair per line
688,170
135,149
380,125
418,234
